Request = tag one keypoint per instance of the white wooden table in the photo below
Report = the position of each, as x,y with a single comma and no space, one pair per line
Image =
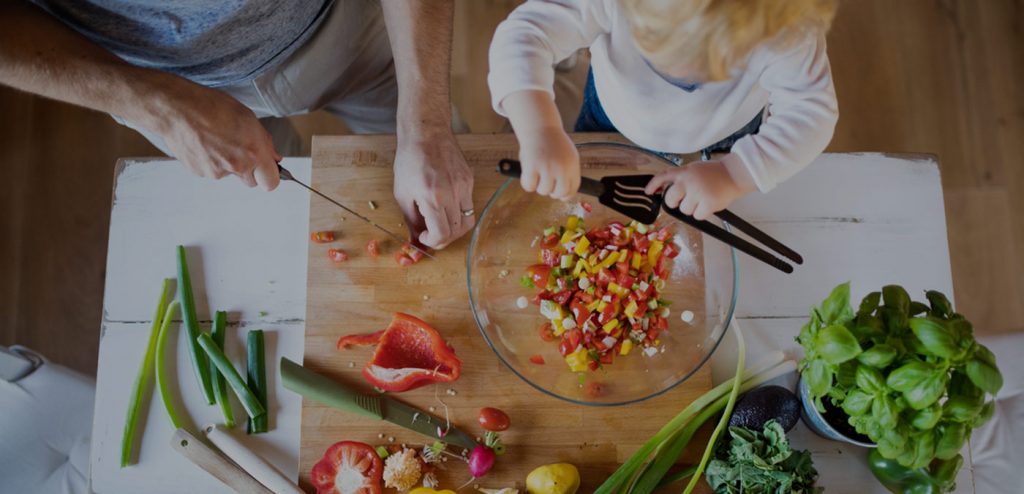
866,218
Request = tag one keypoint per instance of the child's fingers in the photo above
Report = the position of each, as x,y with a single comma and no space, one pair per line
657,182
674,195
689,204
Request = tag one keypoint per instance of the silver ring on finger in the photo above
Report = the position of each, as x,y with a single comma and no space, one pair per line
468,212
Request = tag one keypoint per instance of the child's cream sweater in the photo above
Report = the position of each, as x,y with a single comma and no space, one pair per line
795,84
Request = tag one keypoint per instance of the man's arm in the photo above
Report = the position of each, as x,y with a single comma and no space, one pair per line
433,183
39,54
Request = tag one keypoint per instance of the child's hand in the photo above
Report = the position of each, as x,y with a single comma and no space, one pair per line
698,189
551,164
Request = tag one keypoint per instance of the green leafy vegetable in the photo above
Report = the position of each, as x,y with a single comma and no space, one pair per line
188,309
761,461
257,377
143,378
252,405
162,381
220,386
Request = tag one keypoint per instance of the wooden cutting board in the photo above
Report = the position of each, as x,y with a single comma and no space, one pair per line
361,294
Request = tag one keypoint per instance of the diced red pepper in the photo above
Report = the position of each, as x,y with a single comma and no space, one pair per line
337,255
373,248
663,234
550,241
537,359
547,332
562,297
322,237
403,260
671,251
539,274
604,276
413,253
586,206
595,389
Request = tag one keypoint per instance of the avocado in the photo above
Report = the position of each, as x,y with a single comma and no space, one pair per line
756,407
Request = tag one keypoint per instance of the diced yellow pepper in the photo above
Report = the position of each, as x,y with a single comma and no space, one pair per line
610,325
654,252
601,304
593,305
581,266
626,347
566,237
556,327
608,261
572,223
637,259
577,360
616,332
631,309
581,246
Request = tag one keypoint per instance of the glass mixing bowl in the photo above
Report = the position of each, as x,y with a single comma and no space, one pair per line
703,281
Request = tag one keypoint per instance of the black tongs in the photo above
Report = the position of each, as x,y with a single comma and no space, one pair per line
625,194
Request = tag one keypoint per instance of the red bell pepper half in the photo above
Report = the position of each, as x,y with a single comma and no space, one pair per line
410,354
348,467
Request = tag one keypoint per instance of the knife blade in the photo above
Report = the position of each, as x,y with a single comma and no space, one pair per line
320,388
287,175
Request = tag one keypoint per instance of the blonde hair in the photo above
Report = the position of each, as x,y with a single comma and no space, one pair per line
715,37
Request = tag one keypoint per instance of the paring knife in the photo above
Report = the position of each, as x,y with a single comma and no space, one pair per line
319,388
287,175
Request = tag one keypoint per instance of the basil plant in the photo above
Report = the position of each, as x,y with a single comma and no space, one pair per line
909,375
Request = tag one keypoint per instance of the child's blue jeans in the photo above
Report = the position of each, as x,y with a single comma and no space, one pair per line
592,118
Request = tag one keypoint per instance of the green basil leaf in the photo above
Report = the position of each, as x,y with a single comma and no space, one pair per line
869,379
984,376
846,375
893,442
945,472
836,308
961,385
909,375
895,319
917,308
884,412
927,391
819,378
869,304
924,449
926,418
962,409
878,356
982,353
935,336
940,304
951,441
857,403
836,344
896,297
986,413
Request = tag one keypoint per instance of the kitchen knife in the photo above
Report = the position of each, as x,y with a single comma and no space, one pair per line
320,388
287,175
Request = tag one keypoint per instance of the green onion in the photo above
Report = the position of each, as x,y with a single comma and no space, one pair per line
188,308
257,373
676,477
690,419
143,378
161,368
220,387
249,402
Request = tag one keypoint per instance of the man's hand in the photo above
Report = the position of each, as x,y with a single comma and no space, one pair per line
434,187
551,164
698,189
214,136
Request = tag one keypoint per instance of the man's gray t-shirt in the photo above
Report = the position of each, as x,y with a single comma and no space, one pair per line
210,42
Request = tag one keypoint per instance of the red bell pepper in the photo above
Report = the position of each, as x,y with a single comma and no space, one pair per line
348,467
409,354
351,340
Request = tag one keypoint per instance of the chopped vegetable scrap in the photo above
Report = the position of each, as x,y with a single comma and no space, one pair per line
337,255
408,256
402,470
537,359
493,419
601,289
409,354
322,237
373,248
348,467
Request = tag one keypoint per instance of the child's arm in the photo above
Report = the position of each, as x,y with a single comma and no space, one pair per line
523,52
802,116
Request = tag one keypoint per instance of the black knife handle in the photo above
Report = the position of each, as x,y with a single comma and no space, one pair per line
513,169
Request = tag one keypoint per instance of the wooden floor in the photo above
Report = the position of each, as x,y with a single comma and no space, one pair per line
941,77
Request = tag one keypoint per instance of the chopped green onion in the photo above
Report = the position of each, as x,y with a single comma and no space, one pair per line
161,368
188,310
249,401
220,386
549,230
143,378
382,452
257,376
526,282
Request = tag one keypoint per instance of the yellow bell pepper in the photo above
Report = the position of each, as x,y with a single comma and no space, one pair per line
637,260
581,246
631,308
610,325
572,223
626,347
654,252
577,360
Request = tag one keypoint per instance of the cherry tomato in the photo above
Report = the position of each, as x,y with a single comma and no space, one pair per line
537,359
547,332
574,336
373,248
564,348
337,255
403,260
539,274
493,419
322,237
549,241
348,467
595,389
562,297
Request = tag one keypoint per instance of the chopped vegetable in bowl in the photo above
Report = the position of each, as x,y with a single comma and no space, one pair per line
600,289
